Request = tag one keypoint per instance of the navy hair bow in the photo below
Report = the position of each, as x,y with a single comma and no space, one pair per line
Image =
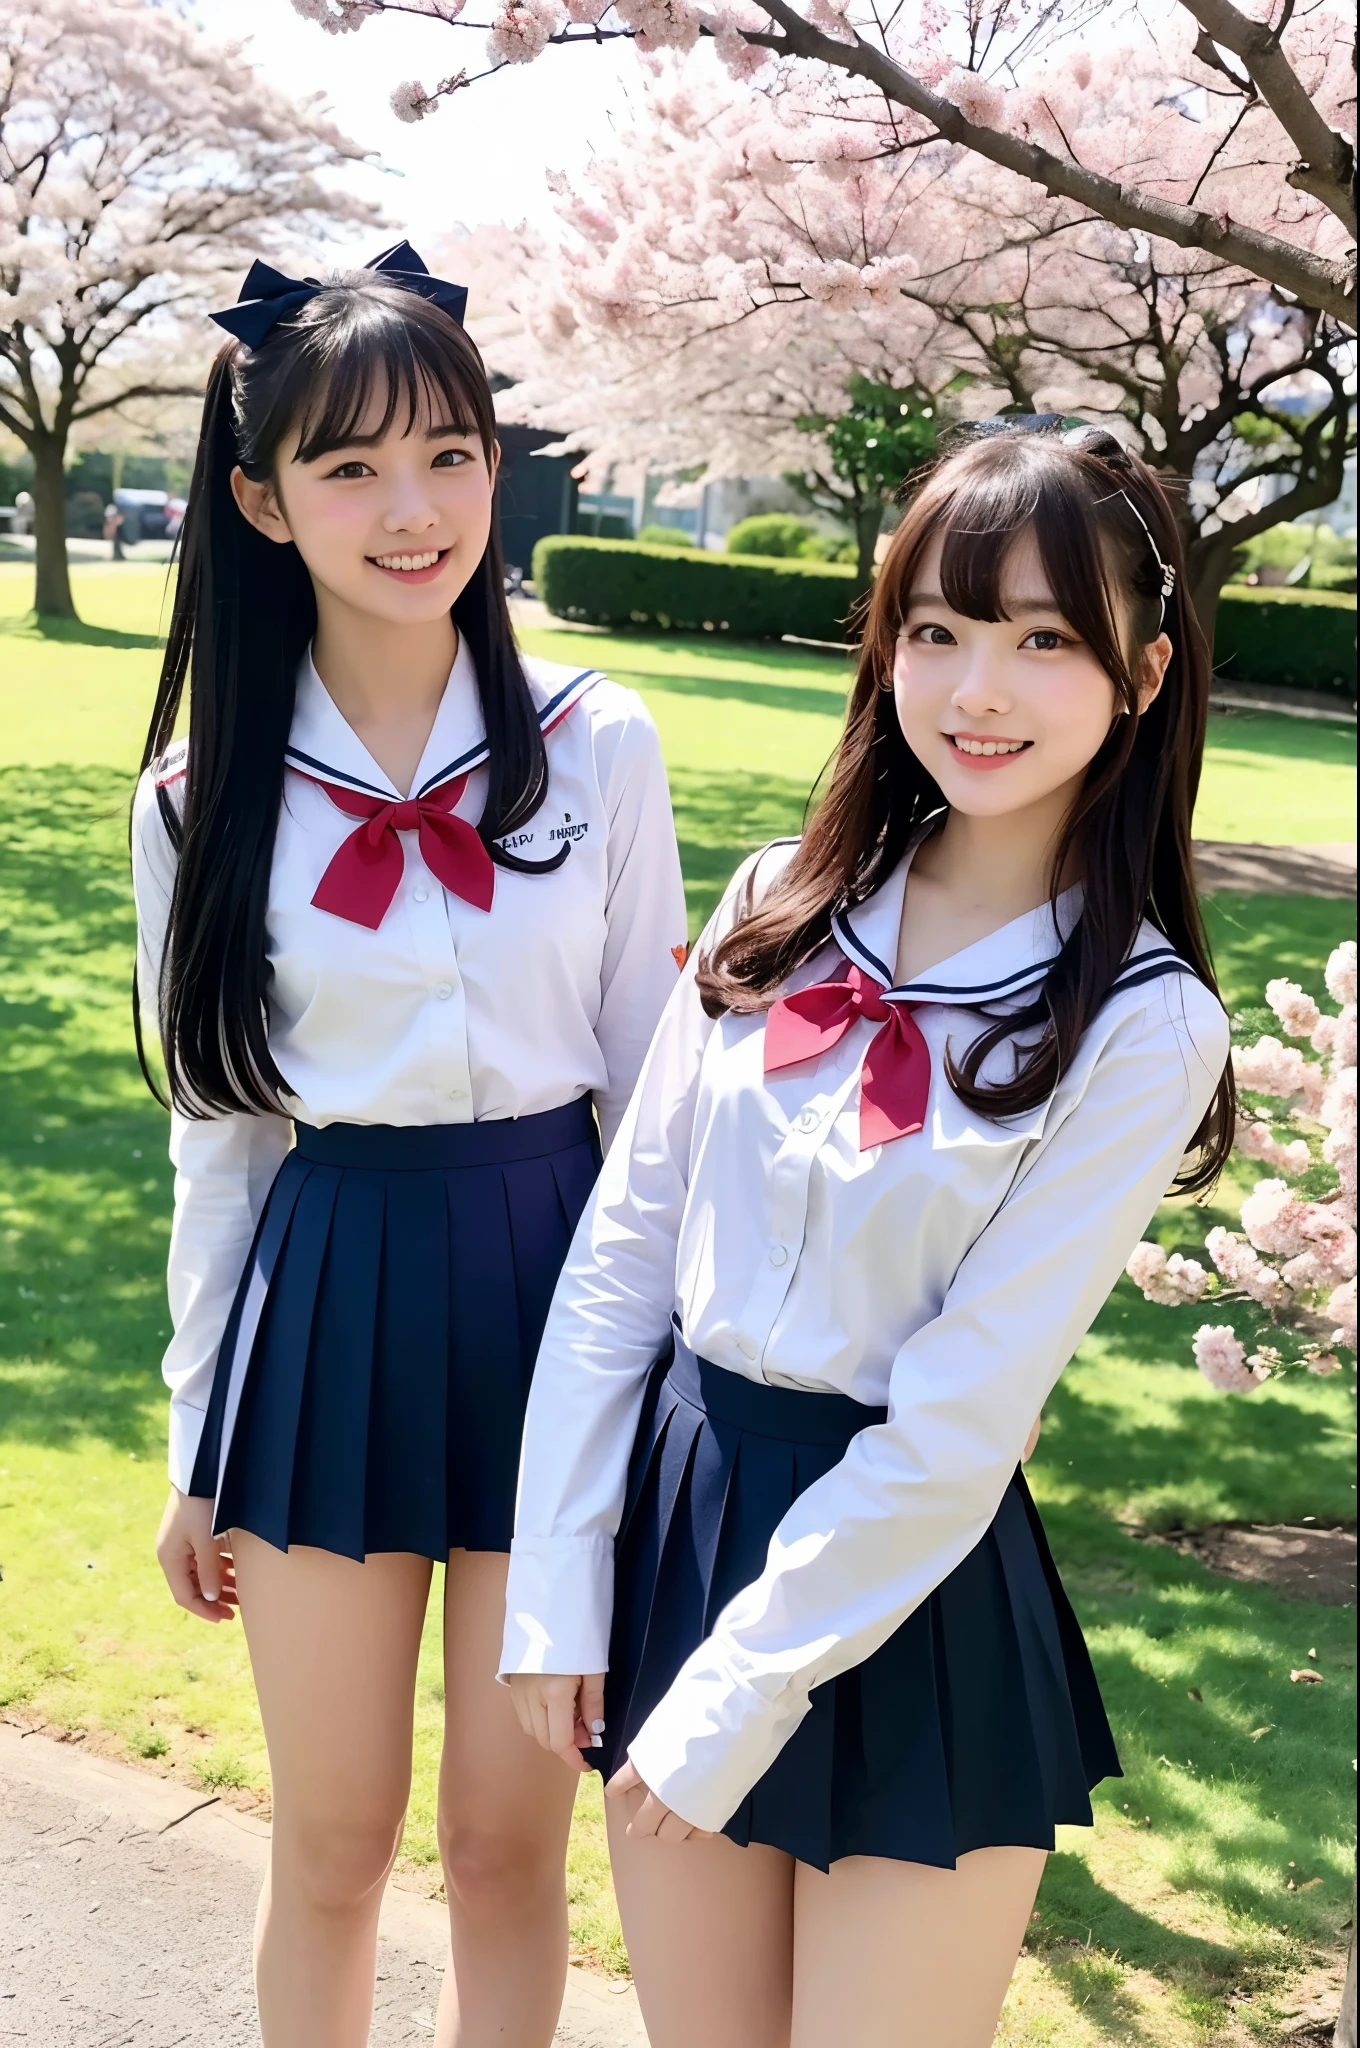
267,296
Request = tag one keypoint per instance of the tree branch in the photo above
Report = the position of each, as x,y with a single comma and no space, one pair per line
1328,161
1315,280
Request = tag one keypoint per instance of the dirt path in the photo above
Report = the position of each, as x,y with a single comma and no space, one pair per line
1276,870
126,1909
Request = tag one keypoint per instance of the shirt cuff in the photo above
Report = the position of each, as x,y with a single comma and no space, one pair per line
186,1427
559,1600
711,1738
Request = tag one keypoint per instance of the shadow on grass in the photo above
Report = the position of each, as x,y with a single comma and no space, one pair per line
84,1183
74,632
1255,938
768,696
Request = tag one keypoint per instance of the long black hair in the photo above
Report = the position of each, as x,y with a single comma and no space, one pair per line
244,613
1104,530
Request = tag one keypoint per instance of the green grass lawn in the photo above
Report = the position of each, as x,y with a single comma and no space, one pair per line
1215,1883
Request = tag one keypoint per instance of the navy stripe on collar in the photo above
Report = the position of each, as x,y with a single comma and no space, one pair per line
1006,984
309,765
556,708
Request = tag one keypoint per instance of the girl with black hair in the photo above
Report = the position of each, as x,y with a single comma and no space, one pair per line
409,909
906,1115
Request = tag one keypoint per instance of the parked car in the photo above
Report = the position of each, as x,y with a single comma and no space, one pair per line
144,514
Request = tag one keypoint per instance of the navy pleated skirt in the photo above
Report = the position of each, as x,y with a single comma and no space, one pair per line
372,1380
978,1723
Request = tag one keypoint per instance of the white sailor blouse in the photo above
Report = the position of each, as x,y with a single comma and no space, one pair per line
946,1275
419,1006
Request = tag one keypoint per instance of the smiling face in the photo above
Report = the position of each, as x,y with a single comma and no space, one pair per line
393,521
1004,713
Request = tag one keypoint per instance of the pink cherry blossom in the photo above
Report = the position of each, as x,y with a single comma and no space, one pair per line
1167,1281
1244,1269
1342,1310
522,30
1269,1068
1256,1140
1296,1010
1341,973
411,102
1222,1358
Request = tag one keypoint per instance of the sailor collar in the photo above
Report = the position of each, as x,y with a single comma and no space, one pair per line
324,746
1005,963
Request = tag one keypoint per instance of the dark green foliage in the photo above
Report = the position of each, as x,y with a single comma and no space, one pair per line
1302,639
619,583
769,533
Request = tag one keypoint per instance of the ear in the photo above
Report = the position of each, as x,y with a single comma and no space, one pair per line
259,503
1155,659
495,462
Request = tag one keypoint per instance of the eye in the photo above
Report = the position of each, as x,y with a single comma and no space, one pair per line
352,469
451,458
1046,640
931,635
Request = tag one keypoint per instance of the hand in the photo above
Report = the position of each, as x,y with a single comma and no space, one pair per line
197,1565
1032,1439
652,1816
563,1713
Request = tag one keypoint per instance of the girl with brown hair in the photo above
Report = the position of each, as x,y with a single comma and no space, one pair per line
927,1077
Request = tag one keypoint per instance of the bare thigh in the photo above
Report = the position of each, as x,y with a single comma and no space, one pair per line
503,1801
333,1645
709,1929
899,1955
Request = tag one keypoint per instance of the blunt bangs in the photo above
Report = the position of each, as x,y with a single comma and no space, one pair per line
352,344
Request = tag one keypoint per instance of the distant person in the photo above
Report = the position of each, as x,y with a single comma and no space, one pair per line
925,1080
113,531
23,512
409,909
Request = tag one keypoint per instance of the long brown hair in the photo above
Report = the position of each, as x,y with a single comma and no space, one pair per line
1128,834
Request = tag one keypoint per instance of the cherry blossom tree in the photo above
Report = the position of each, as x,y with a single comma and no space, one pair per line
724,252
1244,151
1291,1268
141,168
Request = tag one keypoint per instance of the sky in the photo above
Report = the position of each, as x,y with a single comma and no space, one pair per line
484,155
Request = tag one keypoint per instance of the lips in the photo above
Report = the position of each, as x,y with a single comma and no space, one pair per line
982,750
415,566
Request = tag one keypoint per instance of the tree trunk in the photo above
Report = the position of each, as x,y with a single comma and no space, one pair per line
1344,2037
868,520
52,583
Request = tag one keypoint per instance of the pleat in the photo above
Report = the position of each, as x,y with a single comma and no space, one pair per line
486,1377
258,1483
1085,1751
405,1496
539,1236
666,1598
330,1472
251,1292
575,1171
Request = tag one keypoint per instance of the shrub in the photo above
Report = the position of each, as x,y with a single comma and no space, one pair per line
613,583
1285,549
770,533
664,537
1302,639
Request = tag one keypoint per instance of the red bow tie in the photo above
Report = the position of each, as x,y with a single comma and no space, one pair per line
364,876
895,1078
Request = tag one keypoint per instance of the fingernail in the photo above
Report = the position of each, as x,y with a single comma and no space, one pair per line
597,1742
597,1727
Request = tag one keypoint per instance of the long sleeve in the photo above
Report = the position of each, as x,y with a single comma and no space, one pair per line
224,1167
644,907
866,1544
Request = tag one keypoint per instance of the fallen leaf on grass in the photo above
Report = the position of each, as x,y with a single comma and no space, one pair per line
1194,1693
1257,1733
1306,1677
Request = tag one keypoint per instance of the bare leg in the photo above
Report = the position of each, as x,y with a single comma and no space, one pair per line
709,1929
898,1955
504,1817
333,1645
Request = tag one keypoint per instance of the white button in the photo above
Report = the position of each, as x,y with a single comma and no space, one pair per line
421,895
778,1255
457,1094
808,1121
444,991
746,1347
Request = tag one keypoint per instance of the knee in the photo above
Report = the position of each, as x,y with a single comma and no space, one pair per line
336,1862
494,1874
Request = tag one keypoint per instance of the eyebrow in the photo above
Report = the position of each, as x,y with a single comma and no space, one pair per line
439,433
1015,607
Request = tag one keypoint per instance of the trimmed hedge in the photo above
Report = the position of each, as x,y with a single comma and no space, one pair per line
1302,639
759,597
